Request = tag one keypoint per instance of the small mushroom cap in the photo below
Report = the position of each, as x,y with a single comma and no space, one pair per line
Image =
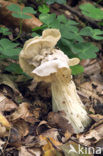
32,50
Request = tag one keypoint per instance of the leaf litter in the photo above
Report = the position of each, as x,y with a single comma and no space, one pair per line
28,127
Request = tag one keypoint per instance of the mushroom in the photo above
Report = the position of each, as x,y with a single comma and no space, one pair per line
43,62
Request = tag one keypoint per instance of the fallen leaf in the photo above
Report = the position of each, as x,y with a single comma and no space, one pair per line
6,104
9,87
23,151
94,135
31,119
37,113
40,107
57,119
4,122
29,140
7,80
66,136
21,112
96,117
41,140
51,134
21,126
3,131
29,152
35,151
88,90
1,144
14,137
49,150
44,90
42,127
33,85
92,67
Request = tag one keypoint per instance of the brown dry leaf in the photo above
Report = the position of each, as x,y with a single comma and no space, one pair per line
22,112
41,140
9,87
96,117
6,104
51,139
44,90
31,119
29,152
14,137
3,131
90,86
22,127
7,80
92,67
4,126
48,149
4,122
50,134
42,127
36,112
1,144
29,141
35,151
94,135
40,107
66,136
33,85
88,90
8,20
57,120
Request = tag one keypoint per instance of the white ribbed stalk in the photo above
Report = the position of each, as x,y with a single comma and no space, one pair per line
65,98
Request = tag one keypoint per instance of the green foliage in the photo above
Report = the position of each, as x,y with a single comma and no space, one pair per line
14,68
43,9
8,49
62,18
78,69
48,19
96,34
5,31
85,50
40,28
19,12
72,41
92,11
55,1
22,13
34,34
73,38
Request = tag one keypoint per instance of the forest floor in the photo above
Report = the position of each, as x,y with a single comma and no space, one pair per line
28,127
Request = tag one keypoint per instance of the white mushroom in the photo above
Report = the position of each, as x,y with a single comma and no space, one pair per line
40,60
